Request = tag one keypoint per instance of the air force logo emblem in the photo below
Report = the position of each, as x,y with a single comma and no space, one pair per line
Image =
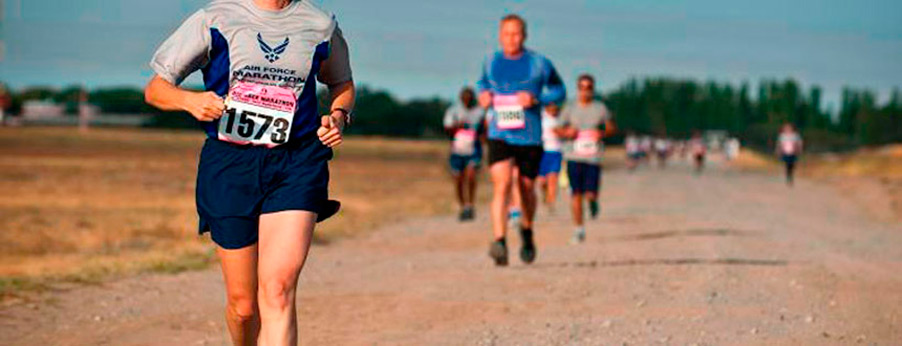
271,54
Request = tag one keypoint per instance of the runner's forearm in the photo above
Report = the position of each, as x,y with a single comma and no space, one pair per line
343,96
610,128
165,96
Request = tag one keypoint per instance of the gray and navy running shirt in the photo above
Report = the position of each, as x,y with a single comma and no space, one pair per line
234,40
592,116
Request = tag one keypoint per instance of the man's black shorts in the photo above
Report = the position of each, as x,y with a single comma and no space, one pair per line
526,157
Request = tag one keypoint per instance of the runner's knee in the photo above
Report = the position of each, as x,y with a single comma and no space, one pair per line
242,306
276,293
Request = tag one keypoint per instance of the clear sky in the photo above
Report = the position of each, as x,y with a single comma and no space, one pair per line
429,47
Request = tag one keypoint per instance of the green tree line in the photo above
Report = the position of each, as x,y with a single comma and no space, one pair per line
670,107
657,106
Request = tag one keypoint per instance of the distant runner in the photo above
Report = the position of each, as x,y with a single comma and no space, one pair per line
464,122
550,167
789,147
647,147
514,85
585,123
662,150
263,175
5,102
698,150
633,147
732,148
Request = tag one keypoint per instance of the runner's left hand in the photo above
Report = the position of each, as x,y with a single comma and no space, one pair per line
330,130
526,99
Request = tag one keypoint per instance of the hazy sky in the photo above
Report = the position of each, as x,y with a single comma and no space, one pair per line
424,48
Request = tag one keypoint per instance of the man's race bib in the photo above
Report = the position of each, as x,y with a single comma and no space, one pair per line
789,147
258,114
464,143
509,112
587,143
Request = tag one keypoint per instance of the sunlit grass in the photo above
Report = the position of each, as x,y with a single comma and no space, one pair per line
85,207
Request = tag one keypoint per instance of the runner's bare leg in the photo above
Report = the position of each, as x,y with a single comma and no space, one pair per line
501,186
239,271
284,242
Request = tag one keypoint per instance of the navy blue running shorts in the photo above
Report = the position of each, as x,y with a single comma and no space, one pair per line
238,183
459,163
584,177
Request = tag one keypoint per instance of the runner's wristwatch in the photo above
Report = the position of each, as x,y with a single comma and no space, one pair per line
347,115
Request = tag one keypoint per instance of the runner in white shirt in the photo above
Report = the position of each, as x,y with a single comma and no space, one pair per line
789,147
732,148
550,167
662,149
646,147
633,148
465,123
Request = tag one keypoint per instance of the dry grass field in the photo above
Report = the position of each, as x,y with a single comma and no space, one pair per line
870,176
864,174
85,207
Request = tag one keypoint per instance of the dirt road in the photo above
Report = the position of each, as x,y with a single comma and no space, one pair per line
722,258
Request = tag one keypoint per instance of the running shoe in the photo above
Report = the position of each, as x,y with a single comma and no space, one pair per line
468,214
498,252
579,236
528,250
594,209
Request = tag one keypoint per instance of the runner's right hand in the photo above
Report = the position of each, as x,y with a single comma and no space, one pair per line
485,99
205,106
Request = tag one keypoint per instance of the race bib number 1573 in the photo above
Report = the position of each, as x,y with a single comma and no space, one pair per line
258,114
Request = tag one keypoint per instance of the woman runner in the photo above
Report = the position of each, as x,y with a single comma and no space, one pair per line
263,174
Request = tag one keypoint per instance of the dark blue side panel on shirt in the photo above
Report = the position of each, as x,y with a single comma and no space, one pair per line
216,74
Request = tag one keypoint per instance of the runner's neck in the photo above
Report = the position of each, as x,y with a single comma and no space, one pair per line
272,5
514,55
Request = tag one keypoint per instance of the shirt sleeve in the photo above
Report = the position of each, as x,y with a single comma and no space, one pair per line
554,92
185,51
605,113
564,117
483,84
448,121
337,68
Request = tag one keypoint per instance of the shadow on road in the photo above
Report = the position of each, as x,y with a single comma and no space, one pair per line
678,233
664,261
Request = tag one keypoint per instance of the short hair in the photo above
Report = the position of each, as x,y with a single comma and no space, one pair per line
467,90
587,77
517,18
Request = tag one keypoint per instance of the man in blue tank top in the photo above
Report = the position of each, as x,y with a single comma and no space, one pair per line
515,84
